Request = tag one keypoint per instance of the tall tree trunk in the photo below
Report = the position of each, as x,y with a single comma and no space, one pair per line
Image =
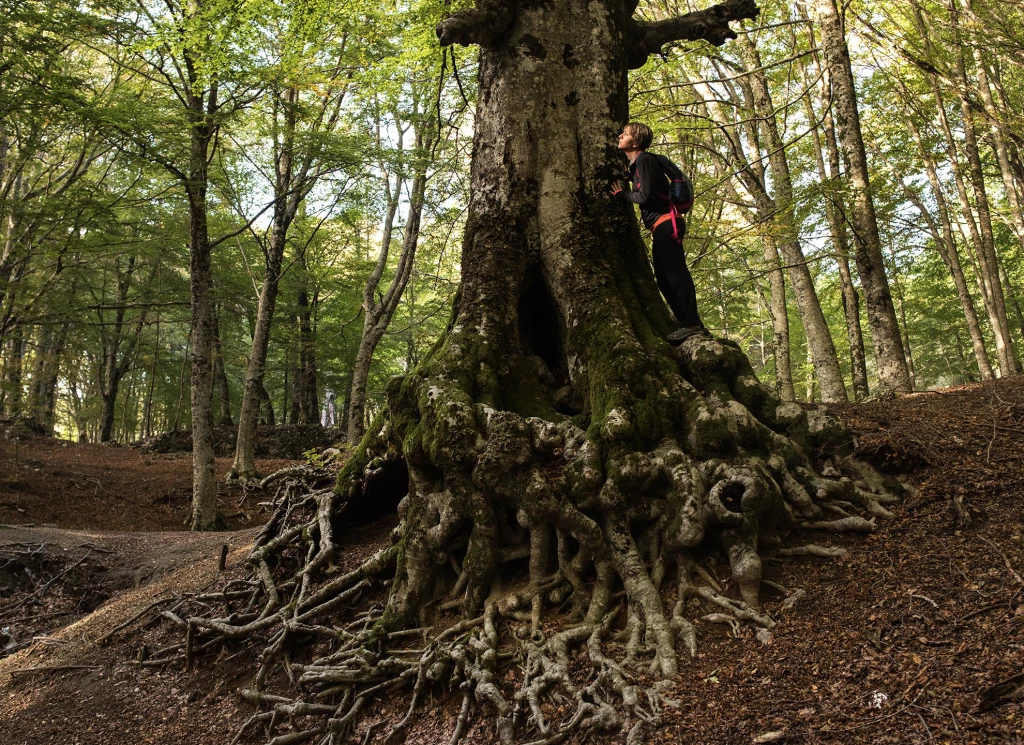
901,309
204,485
987,256
1015,215
114,367
43,341
286,204
819,338
46,413
751,174
244,467
967,213
11,402
776,303
296,172
835,214
377,315
967,218
890,360
1014,298
780,321
220,374
946,245
147,411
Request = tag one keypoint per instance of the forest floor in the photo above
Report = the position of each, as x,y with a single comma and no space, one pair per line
48,483
916,636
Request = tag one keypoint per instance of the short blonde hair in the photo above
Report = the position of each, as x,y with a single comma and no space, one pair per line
640,133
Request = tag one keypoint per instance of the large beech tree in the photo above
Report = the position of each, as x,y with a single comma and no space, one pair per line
552,447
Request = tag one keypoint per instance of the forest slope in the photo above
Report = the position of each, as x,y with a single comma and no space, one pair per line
900,641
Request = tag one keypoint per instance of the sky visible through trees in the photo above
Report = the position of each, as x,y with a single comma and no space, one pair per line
132,133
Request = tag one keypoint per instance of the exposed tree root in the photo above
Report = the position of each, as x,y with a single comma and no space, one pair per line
534,550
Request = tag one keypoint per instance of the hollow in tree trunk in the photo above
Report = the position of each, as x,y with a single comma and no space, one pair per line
553,446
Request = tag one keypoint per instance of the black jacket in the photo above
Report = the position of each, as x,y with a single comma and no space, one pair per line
650,188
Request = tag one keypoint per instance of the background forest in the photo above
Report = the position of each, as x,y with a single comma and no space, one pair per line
316,153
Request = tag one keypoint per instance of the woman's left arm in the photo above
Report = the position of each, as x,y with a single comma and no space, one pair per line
644,188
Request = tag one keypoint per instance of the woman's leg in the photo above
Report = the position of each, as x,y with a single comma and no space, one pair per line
673,276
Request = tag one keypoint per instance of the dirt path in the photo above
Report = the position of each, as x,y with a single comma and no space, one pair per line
44,481
68,688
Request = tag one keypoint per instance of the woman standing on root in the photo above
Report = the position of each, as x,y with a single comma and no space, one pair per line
650,191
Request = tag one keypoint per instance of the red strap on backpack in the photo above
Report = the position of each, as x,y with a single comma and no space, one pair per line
670,215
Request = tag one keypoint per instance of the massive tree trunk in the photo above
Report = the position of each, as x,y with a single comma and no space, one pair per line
553,445
885,332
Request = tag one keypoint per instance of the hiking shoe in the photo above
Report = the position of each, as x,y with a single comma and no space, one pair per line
685,332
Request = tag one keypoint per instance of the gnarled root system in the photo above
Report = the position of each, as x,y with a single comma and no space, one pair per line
544,573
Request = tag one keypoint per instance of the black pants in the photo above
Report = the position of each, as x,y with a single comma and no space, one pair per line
673,277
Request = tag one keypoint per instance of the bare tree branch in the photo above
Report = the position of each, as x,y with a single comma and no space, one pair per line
710,24
484,25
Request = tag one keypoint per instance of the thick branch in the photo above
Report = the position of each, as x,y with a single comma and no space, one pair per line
710,24
485,24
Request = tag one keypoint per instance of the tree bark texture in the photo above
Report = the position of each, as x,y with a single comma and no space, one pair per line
555,351
14,356
220,375
890,361
780,321
45,370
